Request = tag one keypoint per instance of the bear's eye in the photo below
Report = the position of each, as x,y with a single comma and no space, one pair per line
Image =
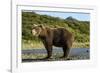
37,29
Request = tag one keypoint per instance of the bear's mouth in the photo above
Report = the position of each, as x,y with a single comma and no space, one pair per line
34,32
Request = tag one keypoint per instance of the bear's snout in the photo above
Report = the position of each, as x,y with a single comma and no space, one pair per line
34,32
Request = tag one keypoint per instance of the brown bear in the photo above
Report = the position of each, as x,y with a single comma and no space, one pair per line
59,37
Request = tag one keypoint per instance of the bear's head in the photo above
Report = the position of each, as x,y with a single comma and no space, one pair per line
37,29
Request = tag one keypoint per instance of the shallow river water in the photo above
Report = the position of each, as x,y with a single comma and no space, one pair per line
75,53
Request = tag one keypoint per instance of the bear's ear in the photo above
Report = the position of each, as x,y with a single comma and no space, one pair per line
42,26
34,25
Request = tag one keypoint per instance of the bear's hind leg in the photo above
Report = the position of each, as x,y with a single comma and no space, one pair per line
66,51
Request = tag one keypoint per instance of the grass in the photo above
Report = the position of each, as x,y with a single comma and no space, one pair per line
39,45
26,45
33,56
81,45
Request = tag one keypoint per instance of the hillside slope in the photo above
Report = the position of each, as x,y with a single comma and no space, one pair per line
80,29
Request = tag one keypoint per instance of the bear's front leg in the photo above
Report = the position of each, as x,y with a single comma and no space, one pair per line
48,47
49,51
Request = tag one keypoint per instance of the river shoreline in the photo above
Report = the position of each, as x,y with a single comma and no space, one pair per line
38,54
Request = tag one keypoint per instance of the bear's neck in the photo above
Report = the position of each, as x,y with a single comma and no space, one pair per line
42,37
44,33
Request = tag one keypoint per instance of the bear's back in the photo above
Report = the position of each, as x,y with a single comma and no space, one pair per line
60,35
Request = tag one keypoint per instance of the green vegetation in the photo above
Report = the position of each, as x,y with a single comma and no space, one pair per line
29,45
80,29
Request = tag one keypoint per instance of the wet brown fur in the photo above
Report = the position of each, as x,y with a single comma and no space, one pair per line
59,37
